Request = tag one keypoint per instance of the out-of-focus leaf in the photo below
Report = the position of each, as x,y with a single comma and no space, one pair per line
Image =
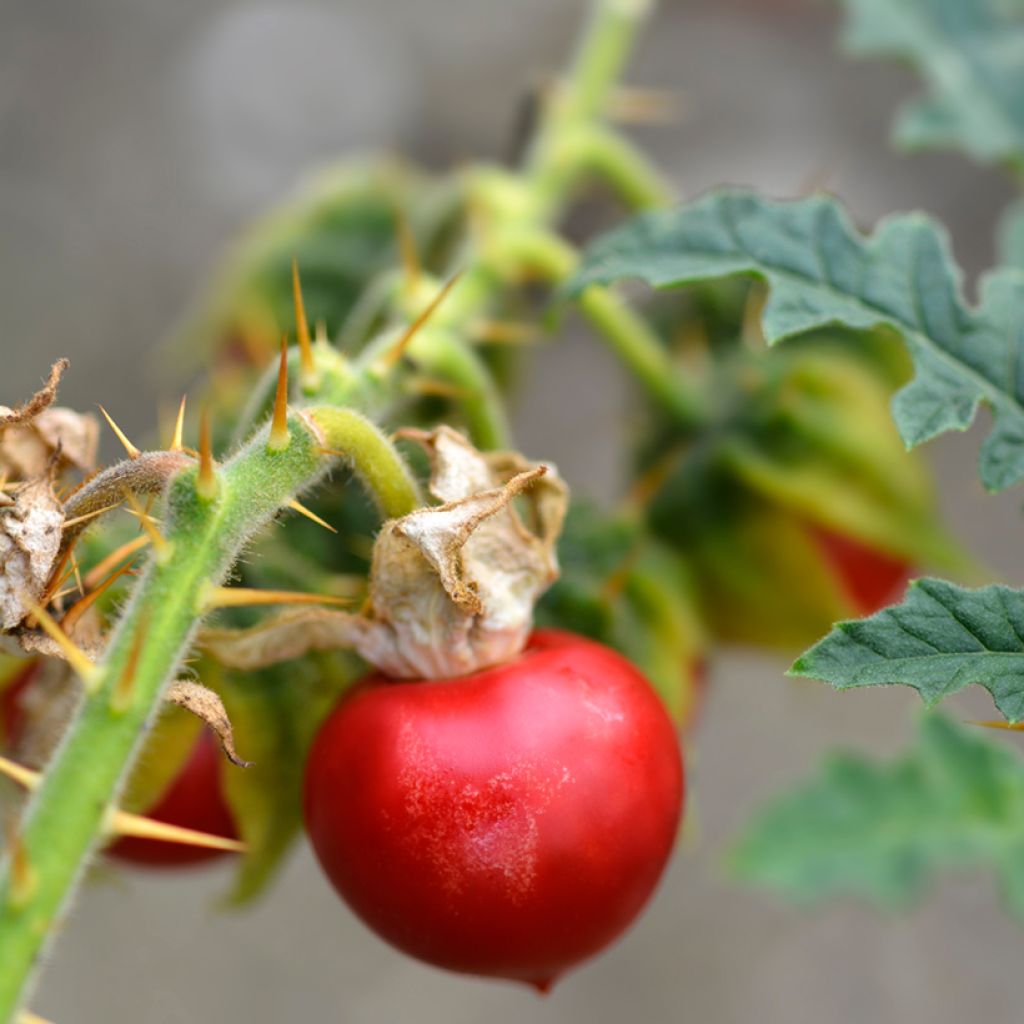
341,229
954,800
820,271
970,54
1010,238
275,713
938,640
623,588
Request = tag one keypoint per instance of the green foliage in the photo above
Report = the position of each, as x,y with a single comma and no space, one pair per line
940,639
971,55
953,800
821,271
1010,236
341,228
276,713
623,588
808,445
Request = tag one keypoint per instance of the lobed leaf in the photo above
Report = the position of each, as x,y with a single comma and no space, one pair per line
878,831
970,54
820,271
940,639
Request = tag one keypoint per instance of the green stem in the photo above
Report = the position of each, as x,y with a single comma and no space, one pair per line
442,354
583,96
617,162
66,818
631,339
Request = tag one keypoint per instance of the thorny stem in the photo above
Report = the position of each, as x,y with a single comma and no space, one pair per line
515,241
66,818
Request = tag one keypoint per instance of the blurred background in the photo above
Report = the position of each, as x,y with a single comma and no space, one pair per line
137,138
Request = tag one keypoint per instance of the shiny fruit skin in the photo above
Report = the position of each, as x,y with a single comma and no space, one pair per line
193,800
509,823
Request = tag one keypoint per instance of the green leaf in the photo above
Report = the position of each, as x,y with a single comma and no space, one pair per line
275,713
621,587
939,639
821,271
970,54
954,800
1010,236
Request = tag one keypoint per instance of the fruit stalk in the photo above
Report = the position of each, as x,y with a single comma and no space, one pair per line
205,527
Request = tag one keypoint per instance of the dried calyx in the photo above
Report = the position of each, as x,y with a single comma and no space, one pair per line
452,585
37,442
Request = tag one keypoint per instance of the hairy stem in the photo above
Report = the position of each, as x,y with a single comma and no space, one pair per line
66,818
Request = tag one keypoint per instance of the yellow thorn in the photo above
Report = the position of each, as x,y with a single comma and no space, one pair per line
391,357
78,573
57,578
279,436
75,656
207,484
503,332
240,597
121,823
99,572
80,607
297,506
161,545
133,452
124,689
1000,724
32,1018
302,325
23,875
87,516
631,105
407,250
433,387
19,773
178,440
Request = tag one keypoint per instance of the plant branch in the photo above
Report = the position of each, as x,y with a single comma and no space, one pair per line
68,815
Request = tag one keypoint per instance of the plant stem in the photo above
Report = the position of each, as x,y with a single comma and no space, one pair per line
66,818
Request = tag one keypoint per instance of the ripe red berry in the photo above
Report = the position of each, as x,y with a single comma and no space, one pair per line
508,823
193,800
871,578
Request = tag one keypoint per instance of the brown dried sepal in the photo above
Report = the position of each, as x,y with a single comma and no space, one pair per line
452,586
208,706
279,637
36,438
30,538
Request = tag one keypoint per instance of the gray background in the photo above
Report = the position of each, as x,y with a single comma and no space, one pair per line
137,137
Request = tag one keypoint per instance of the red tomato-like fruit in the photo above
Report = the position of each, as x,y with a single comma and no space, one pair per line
509,823
872,578
193,800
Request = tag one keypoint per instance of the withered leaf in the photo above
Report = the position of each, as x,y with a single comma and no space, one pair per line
30,536
34,435
208,706
452,586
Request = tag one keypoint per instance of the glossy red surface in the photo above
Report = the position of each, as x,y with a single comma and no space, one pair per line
510,823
